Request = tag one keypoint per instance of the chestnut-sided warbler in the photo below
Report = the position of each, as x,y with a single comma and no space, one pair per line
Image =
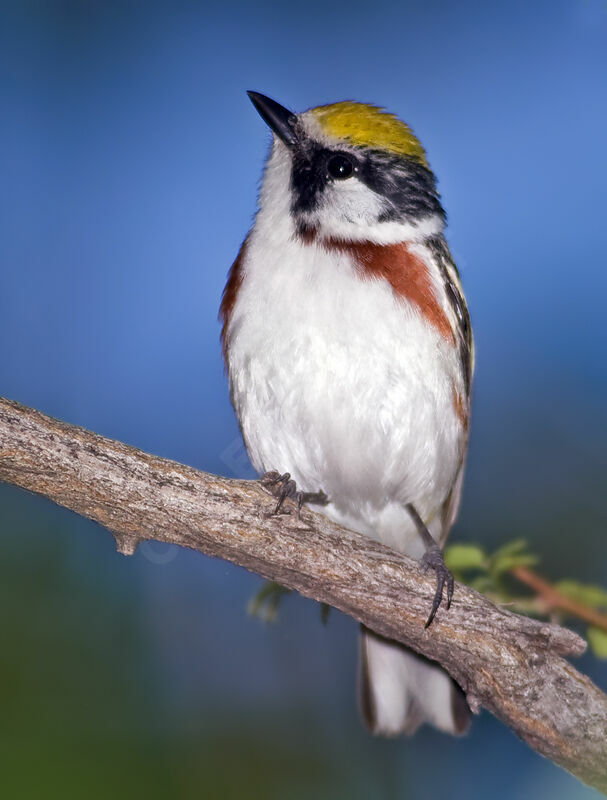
349,353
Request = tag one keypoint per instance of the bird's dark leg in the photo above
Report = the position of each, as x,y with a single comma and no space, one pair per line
283,486
433,559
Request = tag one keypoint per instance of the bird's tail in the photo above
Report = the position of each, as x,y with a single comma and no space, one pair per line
400,690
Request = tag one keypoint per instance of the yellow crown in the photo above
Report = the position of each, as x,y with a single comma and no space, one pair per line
366,125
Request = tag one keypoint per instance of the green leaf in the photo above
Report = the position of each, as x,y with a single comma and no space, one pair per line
513,554
264,603
597,639
509,562
483,584
465,556
510,548
325,610
591,595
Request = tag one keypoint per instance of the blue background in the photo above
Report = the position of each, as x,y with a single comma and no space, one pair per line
130,157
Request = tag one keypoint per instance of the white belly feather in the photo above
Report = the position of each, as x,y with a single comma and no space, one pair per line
343,385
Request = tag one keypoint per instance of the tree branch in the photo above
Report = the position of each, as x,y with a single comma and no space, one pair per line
510,664
553,600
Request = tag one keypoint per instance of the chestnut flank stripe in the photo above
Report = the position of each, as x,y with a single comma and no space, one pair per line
406,273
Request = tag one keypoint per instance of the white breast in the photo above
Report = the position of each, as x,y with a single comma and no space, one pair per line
345,386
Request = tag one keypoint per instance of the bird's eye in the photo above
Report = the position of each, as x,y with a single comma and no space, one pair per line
340,167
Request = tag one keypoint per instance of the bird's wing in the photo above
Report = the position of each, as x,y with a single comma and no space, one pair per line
465,344
457,301
230,292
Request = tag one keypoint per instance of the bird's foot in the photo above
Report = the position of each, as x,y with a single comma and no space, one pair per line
433,559
283,487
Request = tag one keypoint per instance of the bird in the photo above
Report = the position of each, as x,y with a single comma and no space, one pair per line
349,354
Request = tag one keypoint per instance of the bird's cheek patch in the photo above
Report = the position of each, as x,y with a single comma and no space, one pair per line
354,202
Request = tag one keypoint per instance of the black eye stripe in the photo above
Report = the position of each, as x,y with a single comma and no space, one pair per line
407,187
311,174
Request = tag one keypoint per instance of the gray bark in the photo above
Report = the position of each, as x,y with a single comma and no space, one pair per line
510,664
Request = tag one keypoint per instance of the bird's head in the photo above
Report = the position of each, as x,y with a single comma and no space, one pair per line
348,171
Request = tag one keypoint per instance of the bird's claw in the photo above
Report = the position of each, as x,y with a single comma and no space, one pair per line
283,487
433,559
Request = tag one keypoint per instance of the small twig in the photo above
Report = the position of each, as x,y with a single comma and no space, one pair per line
553,600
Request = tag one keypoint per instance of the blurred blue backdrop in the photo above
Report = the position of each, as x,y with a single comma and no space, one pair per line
130,157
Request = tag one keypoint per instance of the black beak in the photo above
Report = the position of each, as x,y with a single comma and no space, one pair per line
277,117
